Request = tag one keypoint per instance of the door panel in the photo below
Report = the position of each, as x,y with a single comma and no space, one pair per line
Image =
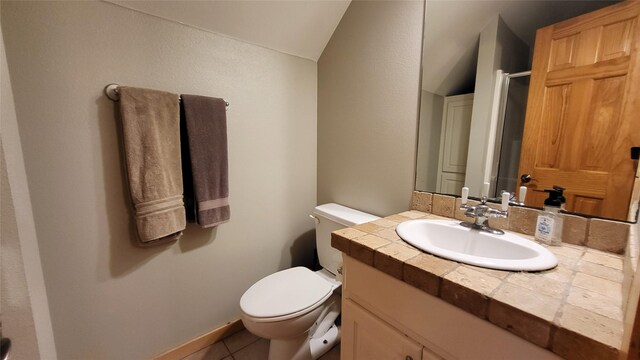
366,337
582,111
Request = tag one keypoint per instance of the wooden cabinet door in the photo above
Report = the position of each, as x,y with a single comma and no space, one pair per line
583,112
429,355
365,337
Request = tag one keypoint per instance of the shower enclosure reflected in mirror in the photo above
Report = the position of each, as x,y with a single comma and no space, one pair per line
511,116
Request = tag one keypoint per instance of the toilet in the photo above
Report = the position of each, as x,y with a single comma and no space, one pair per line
296,308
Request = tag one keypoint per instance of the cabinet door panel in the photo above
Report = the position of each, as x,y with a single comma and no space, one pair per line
365,337
428,355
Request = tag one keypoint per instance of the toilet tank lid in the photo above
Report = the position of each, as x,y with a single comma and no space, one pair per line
343,215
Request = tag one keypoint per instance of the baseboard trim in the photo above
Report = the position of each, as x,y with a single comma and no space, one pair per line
201,341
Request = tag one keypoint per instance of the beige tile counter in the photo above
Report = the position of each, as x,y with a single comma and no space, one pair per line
574,310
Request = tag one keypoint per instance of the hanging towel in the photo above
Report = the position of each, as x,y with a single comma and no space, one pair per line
206,124
151,128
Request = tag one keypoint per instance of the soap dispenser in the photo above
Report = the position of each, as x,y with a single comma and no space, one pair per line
549,224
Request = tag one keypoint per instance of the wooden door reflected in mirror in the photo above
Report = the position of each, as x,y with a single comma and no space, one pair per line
582,112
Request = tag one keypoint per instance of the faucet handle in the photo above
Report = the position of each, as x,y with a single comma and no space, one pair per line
505,200
465,195
523,194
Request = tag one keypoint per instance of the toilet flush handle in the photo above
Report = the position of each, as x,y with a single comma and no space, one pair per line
315,218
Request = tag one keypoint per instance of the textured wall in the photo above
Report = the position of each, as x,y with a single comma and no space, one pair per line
500,49
368,100
25,310
108,298
429,133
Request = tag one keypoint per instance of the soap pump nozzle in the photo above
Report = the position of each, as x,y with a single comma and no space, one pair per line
556,197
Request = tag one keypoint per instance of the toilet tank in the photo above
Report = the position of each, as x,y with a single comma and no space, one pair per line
332,217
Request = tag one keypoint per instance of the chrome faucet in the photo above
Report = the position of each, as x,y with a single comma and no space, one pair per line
512,196
482,212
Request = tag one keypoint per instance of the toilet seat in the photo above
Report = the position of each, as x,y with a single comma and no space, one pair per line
286,294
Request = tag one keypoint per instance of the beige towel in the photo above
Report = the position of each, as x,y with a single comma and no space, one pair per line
206,123
151,127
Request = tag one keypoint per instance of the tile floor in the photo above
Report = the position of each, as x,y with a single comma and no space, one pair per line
245,346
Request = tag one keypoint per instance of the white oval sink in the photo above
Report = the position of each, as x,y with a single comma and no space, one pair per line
447,239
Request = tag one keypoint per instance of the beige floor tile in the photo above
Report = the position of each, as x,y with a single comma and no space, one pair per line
216,351
239,340
258,350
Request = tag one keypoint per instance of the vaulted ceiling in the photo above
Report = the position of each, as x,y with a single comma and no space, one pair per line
300,28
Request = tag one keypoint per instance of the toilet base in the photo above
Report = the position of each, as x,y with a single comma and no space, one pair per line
322,336
304,348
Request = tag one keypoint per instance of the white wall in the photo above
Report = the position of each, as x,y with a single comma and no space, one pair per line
17,317
499,49
23,298
108,298
368,100
430,130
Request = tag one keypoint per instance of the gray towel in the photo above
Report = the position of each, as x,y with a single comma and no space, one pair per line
151,129
206,123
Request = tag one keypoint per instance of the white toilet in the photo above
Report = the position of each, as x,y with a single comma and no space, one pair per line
296,308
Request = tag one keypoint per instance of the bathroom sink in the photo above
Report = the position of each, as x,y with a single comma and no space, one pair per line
447,239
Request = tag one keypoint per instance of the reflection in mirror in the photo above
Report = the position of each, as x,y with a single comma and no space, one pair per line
513,105
476,62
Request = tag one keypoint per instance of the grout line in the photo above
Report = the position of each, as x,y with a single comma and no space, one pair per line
226,347
244,347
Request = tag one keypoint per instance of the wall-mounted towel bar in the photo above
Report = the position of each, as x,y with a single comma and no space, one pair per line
113,94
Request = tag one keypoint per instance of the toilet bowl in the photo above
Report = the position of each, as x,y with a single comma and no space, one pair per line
296,308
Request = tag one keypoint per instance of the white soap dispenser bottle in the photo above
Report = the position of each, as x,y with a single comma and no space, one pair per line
550,220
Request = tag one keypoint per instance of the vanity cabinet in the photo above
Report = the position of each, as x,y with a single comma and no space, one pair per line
385,318
371,338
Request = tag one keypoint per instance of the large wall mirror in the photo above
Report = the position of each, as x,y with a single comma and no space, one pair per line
486,117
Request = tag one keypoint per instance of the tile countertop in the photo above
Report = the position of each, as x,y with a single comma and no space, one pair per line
574,310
